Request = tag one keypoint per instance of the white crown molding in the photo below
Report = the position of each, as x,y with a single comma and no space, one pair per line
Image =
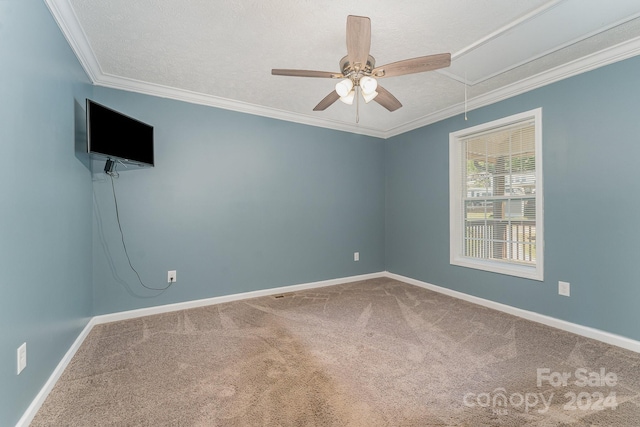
619,52
513,29
67,20
131,85
69,24
511,26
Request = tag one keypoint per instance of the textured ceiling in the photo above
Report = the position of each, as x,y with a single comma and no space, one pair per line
221,53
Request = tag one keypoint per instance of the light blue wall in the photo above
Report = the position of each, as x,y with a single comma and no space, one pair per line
235,203
45,226
591,143
239,203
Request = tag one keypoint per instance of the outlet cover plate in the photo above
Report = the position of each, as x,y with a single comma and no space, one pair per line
22,357
564,288
171,276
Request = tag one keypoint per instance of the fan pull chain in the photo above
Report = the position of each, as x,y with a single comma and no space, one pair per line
357,104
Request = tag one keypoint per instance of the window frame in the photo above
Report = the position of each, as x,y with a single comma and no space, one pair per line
456,200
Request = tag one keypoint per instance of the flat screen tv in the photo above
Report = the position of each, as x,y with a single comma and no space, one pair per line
114,136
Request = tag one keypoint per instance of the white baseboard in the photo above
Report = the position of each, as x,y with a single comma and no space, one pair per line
35,405
33,408
575,328
585,331
131,314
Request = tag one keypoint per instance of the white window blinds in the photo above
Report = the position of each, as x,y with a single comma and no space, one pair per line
497,190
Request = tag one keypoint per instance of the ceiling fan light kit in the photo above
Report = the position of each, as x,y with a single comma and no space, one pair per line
368,85
343,87
358,70
348,98
368,97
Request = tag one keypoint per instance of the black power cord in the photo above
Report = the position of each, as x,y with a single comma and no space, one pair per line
115,200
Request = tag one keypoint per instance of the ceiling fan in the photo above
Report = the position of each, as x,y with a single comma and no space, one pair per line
358,69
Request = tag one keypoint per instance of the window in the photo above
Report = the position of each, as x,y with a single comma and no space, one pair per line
495,185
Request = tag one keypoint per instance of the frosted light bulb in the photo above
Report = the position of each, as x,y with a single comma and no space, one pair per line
369,96
368,85
348,99
343,87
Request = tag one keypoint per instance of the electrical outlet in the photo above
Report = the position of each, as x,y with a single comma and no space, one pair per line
564,288
171,276
22,357
356,256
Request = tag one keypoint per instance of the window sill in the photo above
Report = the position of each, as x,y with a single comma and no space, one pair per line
533,272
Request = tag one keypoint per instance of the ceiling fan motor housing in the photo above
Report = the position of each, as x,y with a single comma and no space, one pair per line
355,71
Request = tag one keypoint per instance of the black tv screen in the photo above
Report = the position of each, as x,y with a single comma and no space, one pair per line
113,135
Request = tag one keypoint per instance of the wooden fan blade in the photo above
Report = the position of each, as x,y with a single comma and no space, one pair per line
358,40
415,65
327,101
305,73
387,100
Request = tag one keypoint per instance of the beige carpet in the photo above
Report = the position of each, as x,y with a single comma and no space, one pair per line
370,353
